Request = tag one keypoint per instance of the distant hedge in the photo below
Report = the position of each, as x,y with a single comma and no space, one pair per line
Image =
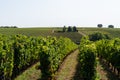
98,36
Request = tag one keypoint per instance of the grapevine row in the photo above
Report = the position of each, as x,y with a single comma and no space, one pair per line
19,51
53,54
87,59
109,52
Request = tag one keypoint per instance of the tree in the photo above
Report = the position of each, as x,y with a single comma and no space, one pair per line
99,25
14,27
110,26
69,29
64,29
74,29
8,27
98,36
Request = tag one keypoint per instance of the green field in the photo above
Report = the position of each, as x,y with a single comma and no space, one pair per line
48,31
74,36
113,32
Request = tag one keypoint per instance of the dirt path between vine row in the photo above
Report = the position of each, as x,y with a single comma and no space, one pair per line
68,68
104,72
81,33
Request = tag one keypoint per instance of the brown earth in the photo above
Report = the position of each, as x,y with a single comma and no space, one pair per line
68,68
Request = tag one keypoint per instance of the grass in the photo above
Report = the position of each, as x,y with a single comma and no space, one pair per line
30,74
26,31
68,69
74,36
113,32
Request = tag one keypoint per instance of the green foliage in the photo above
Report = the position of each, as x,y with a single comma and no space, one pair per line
110,51
64,29
99,25
110,26
6,58
87,58
72,29
8,27
26,50
75,29
52,54
112,32
69,29
98,36
18,52
107,50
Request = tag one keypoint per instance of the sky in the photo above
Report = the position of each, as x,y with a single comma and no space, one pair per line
57,13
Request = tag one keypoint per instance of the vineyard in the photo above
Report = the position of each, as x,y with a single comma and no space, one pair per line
112,32
20,48
106,50
74,36
19,51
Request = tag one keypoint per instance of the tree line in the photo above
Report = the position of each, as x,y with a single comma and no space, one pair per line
70,29
8,27
109,26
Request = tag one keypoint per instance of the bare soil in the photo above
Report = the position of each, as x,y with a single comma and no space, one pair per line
104,72
68,68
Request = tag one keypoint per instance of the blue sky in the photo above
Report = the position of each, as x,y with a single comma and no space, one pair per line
52,13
